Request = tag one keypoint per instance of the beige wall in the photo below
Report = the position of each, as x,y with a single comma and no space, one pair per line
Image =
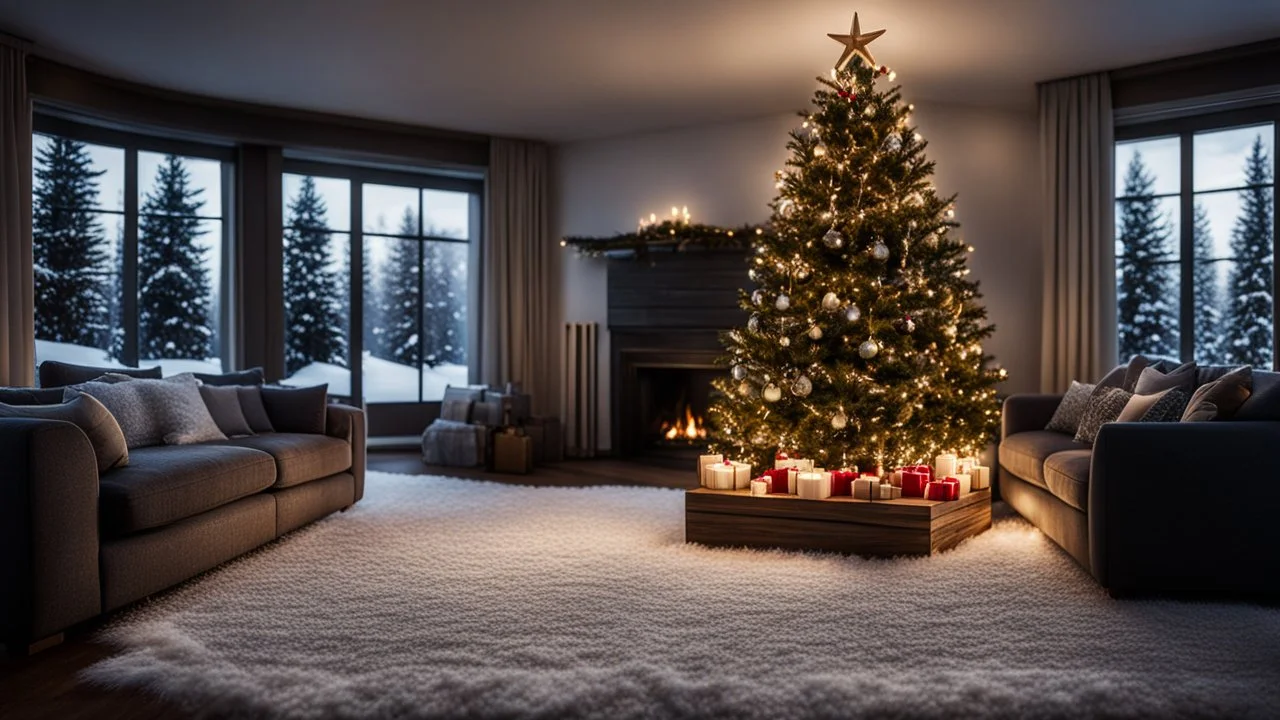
724,173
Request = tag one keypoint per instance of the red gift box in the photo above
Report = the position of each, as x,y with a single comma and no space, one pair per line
944,489
777,480
842,482
914,482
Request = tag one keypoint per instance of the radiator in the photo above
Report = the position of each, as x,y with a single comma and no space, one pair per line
581,388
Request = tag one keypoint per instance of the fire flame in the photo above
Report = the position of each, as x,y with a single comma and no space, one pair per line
688,428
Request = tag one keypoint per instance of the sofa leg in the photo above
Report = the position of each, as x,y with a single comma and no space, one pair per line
45,643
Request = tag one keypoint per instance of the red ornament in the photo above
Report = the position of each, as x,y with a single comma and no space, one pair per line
884,70
847,95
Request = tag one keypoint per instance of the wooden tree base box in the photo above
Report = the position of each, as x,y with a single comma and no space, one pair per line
879,528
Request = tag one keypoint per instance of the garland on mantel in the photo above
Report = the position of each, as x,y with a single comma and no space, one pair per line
667,236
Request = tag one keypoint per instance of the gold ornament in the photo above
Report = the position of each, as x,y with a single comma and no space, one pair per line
855,43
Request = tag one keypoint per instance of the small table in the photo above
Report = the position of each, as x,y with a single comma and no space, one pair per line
880,528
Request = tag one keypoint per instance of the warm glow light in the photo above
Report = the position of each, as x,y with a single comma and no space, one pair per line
687,428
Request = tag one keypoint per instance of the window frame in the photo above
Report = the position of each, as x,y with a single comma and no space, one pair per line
418,179
1185,129
51,122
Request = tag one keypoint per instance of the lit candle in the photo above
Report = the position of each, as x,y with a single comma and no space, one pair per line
944,465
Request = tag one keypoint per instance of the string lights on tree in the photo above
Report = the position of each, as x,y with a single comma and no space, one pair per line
864,343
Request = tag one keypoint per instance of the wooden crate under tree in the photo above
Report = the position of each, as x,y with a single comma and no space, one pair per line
882,528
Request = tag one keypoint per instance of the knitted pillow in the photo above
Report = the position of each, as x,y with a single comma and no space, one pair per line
155,412
1168,408
1066,419
1104,407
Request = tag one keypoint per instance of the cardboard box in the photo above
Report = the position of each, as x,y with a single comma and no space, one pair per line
512,453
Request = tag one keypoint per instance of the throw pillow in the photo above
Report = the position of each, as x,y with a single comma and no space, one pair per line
154,412
91,416
1264,398
252,376
296,410
223,403
59,374
1168,408
1139,405
127,405
1152,380
1220,399
255,413
1105,405
456,410
1066,419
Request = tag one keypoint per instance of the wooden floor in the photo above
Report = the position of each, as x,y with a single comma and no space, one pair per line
46,685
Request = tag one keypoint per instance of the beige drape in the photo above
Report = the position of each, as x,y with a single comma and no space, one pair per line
17,289
519,340
1078,332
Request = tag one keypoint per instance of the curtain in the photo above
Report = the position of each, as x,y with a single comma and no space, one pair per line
17,284
1078,332
520,284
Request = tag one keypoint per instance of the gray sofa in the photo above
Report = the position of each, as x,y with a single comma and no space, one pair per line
74,545
1181,508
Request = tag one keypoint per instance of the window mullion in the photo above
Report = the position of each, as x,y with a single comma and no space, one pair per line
1187,208
1275,243
129,269
355,331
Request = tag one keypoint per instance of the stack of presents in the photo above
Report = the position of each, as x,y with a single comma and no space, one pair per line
947,479
493,428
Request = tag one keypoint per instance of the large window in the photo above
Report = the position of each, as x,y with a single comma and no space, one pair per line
1195,238
129,246
402,244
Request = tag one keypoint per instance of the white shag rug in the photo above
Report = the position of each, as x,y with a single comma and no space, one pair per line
437,597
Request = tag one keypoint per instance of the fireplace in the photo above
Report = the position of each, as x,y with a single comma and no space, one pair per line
665,319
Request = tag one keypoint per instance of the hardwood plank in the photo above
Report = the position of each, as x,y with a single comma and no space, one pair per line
721,530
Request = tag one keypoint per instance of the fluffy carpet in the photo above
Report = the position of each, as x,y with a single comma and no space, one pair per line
437,597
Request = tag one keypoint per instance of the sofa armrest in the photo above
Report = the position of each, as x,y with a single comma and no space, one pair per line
1027,411
347,423
48,529
1186,508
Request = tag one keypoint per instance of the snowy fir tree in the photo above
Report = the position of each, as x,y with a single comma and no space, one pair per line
1248,327
173,281
399,330
441,305
864,343
372,303
73,274
1208,299
1146,299
313,302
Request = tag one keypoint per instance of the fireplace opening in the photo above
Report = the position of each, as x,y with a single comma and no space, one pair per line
672,404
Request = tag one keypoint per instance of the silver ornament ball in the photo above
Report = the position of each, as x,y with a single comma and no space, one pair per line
893,143
757,297
802,386
830,301
772,393
880,251
785,341
753,324
783,302
739,372
868,349
853,313
744,389
815,333
839,421
833,239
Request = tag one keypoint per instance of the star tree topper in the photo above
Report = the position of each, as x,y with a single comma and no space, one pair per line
855,43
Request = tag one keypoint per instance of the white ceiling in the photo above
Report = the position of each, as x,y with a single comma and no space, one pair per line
564,70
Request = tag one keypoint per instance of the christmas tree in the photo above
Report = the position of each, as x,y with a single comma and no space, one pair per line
1208,300
1248,327
72,270
442,304
1147,301
400,272
864,343
312,300
173,281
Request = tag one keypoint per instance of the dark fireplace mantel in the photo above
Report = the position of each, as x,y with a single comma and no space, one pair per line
667,313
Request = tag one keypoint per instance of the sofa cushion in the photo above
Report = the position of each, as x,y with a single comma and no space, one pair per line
1153,380
255,413
1220,399
30,396
165,484
59,374
300,457
252,376
1066,474
1104,406
223,402
296,410
151,412
92,417
1023,454
1264,400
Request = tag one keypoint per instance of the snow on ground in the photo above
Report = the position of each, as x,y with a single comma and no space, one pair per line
384,381
81,355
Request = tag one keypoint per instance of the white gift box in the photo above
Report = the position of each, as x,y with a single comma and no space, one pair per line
964,482
813,485
703,462
980,477
741,475
965,464
801,464
944,465
759,488
889,492
721,476
895,478
867,488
